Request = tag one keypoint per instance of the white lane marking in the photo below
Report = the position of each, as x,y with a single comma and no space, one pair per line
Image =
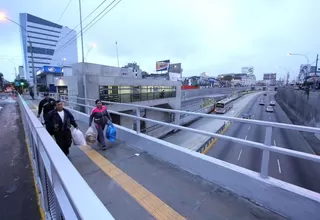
239,155
274,142
246,137
279,167
249,128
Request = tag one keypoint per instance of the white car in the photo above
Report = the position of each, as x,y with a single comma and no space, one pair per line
272,103
269,109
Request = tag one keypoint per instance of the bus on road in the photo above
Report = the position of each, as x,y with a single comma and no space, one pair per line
223,106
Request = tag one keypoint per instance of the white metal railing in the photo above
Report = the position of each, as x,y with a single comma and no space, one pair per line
267,146
64,194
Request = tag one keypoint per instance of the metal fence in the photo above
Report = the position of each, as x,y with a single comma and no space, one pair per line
266,147
63,193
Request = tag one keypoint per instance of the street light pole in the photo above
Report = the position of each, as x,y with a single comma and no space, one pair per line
82,64
32,61
298,54
117,53
316,64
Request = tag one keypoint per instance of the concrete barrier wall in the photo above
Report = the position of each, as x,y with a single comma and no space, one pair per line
284,198
307,110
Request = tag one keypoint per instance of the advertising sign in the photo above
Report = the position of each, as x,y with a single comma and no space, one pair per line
162,65
175,68
305,69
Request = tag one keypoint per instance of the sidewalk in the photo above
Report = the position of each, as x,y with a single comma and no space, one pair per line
195,141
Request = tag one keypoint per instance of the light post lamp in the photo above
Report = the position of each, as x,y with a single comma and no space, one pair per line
92,45
298,54
4,17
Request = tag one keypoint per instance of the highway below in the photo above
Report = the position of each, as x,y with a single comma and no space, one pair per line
293,170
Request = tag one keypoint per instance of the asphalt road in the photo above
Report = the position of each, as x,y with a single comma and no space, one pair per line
17,193
289,169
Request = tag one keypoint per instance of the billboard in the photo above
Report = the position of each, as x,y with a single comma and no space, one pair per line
269,76
247,70
175,68
305,69
50,69
162,65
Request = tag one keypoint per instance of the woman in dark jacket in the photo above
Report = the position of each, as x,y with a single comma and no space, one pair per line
100,116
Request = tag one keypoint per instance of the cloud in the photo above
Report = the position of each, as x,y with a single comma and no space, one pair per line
215,36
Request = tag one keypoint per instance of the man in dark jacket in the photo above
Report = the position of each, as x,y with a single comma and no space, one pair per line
47,104
60,121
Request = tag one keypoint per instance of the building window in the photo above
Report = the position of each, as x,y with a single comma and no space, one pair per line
44,29
34,19
49,35
135,93
39,50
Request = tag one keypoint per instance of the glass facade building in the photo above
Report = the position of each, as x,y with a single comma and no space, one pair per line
51,44
135,93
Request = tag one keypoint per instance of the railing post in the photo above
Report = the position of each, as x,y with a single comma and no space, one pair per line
138,120
266,154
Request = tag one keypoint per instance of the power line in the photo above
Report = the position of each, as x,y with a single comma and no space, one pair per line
73,29
64,11
78,34
90,24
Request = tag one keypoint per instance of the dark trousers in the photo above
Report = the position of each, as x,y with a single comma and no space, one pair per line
64,140
100,137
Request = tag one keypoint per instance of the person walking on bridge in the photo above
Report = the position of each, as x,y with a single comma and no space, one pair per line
60,120
47,104
101,117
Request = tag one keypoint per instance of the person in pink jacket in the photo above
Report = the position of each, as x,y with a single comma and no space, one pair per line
101,117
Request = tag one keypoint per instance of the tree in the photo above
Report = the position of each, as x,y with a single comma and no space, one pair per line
227,78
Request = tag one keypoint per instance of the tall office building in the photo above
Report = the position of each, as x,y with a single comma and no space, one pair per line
46,41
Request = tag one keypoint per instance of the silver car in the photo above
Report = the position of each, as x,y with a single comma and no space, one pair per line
269,108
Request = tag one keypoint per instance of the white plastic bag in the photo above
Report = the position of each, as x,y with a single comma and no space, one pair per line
91,136
78,137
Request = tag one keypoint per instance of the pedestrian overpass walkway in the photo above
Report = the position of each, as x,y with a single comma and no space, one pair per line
139,177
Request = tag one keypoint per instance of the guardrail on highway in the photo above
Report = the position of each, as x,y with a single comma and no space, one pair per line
266,146
63,193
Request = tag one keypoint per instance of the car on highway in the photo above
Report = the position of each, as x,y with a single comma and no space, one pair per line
269,108
272,103
261,102
265,94
246,116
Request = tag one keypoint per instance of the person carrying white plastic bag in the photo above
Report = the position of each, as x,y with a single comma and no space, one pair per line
78,137
90,136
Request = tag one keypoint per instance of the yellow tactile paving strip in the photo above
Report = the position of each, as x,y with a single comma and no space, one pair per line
151,203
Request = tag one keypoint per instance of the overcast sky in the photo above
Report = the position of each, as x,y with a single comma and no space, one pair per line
213,36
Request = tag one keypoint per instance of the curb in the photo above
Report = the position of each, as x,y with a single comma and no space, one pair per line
212,141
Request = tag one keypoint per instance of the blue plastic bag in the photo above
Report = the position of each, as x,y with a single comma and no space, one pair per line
111,133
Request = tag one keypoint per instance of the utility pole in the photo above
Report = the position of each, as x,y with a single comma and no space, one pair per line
117,53
84,78
317,64
81,32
